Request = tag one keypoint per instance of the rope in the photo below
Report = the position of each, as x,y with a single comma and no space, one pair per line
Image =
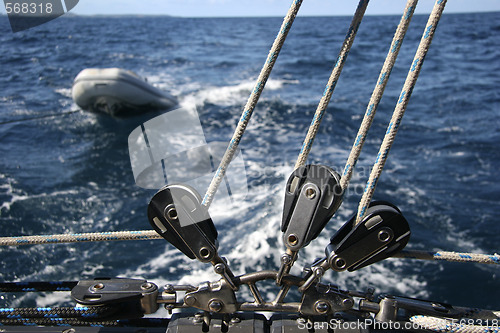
93,312
56,322
332,82
401,106
378,92
463,325
39,117
451,256
141,322
12,287
75,238
252,101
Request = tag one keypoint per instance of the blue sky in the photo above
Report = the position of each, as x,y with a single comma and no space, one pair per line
197,8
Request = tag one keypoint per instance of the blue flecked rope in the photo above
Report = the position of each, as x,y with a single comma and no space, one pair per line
252,102
378,92
332,82
55,313
451,256
400,108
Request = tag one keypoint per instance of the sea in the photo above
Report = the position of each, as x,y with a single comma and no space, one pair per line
65,170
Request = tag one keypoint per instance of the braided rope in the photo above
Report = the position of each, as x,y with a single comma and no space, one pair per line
141,322
12,287
56,322
332,82
378,92
93,312
252,101
451,256
84,237
400,108
462,325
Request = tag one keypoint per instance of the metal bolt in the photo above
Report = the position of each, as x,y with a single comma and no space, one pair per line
310,193
292,239
369,293
146,286
340,263
235,320
172,213
205,253
198,318
219,268
384,236
169,308
347,303
322,307
318,272
98,286
169,288
286,259
215,305
438,307
190,300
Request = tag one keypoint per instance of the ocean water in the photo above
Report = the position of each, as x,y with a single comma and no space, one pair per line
71,173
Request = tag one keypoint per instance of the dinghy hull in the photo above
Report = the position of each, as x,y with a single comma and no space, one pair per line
118,92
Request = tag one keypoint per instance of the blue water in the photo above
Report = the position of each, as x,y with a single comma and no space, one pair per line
71,173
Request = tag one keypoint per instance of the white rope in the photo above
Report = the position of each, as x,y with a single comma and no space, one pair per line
462,325
332,82
252,101
451,256
400,108
76,238
378,92
51,115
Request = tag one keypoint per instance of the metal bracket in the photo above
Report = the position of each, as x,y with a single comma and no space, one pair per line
383,232
313,194
213,296
387,309
325,299
114,291
176,213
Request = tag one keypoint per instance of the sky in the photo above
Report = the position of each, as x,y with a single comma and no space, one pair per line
232,8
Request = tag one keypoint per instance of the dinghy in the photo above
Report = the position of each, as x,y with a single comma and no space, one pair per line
118,92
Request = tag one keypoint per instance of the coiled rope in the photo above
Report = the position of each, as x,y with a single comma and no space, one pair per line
332,82
400,108
378,92
252,102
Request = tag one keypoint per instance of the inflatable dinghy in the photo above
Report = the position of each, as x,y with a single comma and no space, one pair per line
118,92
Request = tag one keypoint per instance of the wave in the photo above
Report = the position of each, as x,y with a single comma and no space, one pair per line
229,95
